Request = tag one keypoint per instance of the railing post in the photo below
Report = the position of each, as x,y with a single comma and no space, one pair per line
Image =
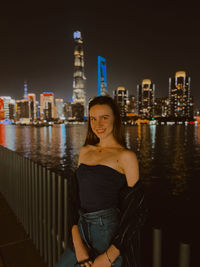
36,207
33,200
60,217
65,211
26,193
44,184
49,225
40,211
184,255
54,217
157,248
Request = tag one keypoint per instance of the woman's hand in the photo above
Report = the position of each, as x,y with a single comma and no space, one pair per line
82,254
101,261
81,250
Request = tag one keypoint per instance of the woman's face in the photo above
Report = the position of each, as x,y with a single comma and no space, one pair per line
101,120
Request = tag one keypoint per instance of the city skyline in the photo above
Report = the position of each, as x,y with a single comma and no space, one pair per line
137,42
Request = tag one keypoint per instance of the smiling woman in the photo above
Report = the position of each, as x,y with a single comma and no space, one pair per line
107,208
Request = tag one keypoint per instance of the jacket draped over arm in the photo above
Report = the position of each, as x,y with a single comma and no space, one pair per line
133,212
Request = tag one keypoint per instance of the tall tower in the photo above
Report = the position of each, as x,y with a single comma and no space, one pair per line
121,97
25,90
47,106
180,100
102,76
145,98
79,95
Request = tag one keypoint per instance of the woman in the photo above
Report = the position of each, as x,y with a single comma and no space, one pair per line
105,231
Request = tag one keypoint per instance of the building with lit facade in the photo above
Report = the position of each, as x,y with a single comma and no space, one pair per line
5,100
25,90
145,99
131,104
161,107
68,110
1,109
47,106
33,106
22,109
59,108
79,95
77,111
180,100
121,97
12,109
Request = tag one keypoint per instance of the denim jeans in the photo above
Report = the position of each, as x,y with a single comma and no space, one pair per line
97,230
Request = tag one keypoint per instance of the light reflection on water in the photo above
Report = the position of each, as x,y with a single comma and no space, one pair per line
169,157
168,152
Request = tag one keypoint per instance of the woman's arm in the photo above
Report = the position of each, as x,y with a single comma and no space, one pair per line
128,162
81,249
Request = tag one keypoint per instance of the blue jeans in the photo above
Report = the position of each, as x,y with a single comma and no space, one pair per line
97,230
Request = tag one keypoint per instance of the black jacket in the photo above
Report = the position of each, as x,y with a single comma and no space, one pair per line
133,211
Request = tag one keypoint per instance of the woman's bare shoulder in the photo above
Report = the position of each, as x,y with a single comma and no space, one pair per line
128,157
83,151
129,164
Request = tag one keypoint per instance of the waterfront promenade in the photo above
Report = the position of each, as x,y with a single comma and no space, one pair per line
16,248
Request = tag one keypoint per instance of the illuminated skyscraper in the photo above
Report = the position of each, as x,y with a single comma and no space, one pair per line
12,109
79,95
180,100
121,97
5,105
102,77
68,110
25,90
161,107
59,108
131,104
145,99
33,107
2,113
22,109
47,106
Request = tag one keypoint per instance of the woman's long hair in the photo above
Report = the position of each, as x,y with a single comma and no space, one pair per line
91,138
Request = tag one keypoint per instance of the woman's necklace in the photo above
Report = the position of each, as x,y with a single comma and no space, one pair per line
100,149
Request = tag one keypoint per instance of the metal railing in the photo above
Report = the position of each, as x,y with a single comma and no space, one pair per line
39,198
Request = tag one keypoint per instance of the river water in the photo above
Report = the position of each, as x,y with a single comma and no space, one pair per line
169,159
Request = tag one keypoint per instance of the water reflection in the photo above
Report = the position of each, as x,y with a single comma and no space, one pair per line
179,171
7,136
153,135
145,154
168,155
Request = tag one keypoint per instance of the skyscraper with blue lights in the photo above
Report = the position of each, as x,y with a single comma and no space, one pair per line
102,77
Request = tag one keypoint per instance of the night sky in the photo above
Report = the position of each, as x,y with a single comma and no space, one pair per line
146,41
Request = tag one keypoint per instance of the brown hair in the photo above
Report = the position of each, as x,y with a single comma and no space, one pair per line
91,138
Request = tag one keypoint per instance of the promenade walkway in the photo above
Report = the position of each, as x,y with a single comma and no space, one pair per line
16,248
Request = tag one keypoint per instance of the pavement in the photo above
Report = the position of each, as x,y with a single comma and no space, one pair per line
16,248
